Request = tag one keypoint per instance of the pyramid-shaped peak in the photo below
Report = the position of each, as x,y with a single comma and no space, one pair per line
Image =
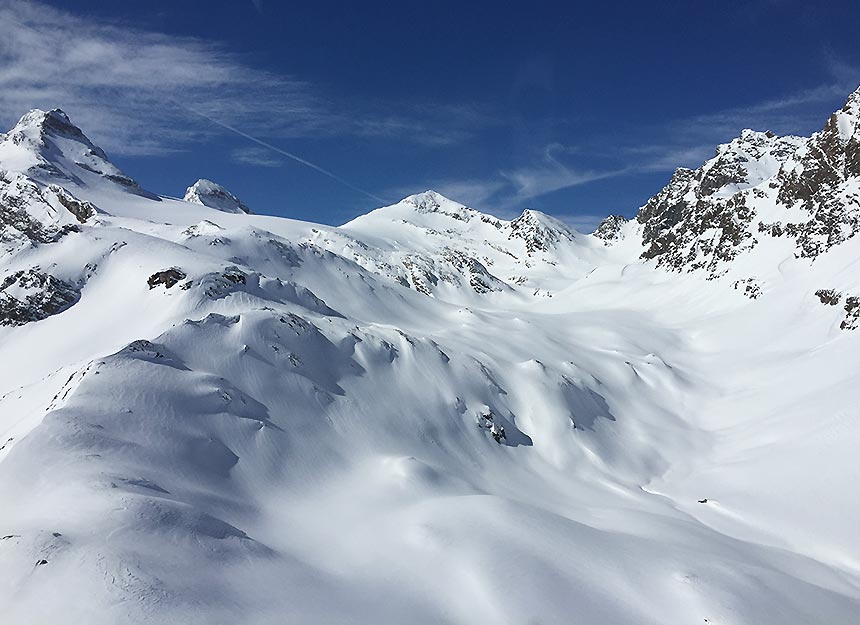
429,200
48,147
38,125
215,196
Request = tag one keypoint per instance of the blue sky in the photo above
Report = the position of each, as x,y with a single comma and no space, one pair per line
575,109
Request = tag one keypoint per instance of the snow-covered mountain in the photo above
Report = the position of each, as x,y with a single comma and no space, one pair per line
429,414
213,195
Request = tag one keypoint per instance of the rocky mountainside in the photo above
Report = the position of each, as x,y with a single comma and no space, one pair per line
429,414
760,187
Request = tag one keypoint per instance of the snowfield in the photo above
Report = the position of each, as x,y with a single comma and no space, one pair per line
428,415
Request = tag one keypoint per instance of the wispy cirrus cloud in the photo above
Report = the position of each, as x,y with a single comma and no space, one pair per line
790,113
507,192
139,92
256,157
689,141
130,88
550,174
683,142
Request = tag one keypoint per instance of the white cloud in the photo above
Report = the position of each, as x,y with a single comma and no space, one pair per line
256,157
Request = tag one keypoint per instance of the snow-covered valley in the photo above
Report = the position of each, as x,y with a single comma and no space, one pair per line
428,414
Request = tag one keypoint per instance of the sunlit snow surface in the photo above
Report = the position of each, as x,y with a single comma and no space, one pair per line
309,444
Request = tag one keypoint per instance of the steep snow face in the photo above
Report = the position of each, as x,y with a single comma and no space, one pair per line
427,415
760,192
215,196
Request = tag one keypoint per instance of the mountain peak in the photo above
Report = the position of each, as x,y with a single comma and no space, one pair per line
47,146
429,200
609,230
37,127
704,218
215,196
852,104
846,121
539,231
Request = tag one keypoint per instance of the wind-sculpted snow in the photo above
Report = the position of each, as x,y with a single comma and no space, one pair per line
428,415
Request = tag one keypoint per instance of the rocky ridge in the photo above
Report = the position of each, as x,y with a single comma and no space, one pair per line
760,186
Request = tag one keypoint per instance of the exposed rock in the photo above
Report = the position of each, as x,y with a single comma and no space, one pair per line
80,209
425,272
216,285
167,277
33,295
486,420
852,313
234,275
703,218
31,214
830,297
749,287
609,230
540,232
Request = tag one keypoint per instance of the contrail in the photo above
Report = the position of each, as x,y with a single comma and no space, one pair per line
294,157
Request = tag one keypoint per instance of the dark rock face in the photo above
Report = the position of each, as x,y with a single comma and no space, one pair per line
705,217
829,297
816,185
748,287
486,420
234,275
80,209
167,278
33,295
852,314
609,230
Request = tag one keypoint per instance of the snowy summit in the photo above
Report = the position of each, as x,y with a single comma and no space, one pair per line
215,196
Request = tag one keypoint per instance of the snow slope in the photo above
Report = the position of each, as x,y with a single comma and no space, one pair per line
427,415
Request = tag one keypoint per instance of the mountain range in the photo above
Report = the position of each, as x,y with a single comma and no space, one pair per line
430,414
